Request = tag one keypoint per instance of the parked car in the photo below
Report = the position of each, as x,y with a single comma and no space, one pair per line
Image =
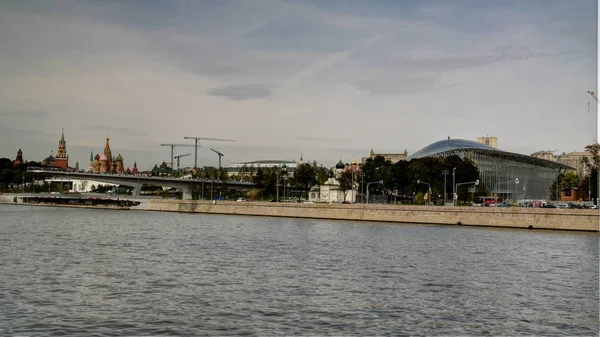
241,199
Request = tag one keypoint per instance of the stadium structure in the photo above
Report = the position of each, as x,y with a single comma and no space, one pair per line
518,176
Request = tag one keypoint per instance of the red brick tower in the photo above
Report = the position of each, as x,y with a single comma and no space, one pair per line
62,159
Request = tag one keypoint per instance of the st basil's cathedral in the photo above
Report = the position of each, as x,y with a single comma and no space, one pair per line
106,163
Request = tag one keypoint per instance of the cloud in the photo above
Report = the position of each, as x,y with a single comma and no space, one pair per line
115,129
241,92
25,113
402,86
321,139
306,76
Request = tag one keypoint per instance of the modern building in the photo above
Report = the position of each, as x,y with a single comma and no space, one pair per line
518,176
393,157
491,141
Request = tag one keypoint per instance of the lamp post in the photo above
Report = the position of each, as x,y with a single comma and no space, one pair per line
368,184
454,186
284,173
476,183
516,181
428,186
445,173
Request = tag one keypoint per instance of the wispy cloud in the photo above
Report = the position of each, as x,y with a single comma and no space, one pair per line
115,129
24,113
283,76
241,92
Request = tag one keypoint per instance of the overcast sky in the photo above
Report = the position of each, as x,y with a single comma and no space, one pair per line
327,79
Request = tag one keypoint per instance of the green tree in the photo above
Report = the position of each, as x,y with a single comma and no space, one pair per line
345,181
593,168
305,177
420,198
322,175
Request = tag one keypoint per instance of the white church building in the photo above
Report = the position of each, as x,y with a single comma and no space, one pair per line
330,191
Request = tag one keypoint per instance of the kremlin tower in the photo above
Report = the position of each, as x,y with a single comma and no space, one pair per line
19,160
61,160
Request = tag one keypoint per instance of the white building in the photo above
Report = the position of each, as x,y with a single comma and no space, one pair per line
330,191
77,185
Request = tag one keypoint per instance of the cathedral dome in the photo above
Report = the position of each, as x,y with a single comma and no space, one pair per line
103,157
340,165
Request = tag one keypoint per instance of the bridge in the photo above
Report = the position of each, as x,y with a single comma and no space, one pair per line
136,181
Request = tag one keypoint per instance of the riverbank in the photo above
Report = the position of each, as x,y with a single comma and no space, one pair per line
511,217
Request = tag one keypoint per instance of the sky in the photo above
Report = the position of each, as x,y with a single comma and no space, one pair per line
327,80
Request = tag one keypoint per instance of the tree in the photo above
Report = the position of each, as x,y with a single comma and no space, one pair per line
593,168
345,181
305,177
322,175
420,198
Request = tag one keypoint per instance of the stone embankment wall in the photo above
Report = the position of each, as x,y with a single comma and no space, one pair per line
512,217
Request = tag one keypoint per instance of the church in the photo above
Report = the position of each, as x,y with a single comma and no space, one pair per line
106,163
330,191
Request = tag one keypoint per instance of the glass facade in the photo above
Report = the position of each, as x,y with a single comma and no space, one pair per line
512,176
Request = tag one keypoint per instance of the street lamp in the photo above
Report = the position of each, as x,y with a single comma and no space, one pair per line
284,173
516,181
454,186
445,173
429,188
476,183
368,184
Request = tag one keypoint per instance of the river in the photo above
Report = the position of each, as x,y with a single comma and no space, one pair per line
86,272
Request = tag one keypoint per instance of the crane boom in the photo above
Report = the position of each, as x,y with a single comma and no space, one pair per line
173,145
180,156
196,139
593,94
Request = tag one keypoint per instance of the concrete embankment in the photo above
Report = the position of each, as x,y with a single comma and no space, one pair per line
512,217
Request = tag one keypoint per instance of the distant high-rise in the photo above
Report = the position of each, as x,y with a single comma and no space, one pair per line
491,141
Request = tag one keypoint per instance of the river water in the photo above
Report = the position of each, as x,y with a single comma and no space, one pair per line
83,272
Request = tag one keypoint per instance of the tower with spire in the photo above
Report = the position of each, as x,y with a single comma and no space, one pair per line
61,160
19,160
91,164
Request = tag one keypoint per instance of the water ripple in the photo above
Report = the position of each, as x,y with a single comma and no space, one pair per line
100,273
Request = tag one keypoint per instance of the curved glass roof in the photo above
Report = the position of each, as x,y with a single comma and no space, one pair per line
449,145
453,145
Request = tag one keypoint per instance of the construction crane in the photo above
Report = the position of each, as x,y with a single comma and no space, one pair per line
173,147
179,156
196,139
593,94
219,154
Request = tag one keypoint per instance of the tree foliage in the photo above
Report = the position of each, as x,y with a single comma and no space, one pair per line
305,177
345,180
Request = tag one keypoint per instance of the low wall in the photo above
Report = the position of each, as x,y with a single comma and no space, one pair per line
512,217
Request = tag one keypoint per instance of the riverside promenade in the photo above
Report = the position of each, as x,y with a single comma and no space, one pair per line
511,217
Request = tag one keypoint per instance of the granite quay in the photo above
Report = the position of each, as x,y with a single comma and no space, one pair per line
511,217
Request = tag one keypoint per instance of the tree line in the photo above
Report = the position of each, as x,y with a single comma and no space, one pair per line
399,180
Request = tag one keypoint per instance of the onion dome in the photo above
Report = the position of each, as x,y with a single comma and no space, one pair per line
353,163
103,157
119,158
340,165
